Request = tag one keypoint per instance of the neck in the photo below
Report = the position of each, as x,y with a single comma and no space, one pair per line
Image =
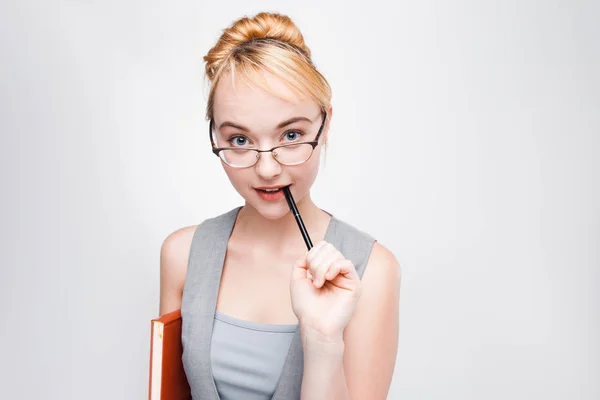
283,232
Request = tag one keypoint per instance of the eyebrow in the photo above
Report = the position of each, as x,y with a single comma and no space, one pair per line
279,126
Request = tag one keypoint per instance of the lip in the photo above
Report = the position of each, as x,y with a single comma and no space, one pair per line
270,187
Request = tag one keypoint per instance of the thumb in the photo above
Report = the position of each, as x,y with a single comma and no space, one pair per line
300,268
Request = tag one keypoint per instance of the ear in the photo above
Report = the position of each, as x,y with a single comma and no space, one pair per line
325,133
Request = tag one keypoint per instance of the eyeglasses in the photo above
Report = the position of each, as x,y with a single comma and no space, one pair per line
287,154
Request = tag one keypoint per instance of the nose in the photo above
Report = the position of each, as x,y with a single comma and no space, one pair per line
267,167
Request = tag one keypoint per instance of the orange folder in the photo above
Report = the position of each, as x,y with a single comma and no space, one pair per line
167,376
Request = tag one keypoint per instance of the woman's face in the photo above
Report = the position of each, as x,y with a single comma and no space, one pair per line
249,117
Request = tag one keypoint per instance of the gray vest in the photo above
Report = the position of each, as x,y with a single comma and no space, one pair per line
201,289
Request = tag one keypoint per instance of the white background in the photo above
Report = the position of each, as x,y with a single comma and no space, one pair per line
465,138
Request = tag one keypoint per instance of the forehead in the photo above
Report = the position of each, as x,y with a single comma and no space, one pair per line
257,108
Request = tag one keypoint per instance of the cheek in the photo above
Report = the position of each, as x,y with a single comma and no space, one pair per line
307,172
237,177
314,168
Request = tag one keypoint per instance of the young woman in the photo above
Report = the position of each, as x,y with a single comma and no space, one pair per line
263,317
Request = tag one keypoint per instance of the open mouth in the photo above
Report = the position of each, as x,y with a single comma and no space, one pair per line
271,194
272,190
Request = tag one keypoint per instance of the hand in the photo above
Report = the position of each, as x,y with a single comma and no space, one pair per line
325,288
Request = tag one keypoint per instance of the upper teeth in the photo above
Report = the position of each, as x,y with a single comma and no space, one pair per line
271,190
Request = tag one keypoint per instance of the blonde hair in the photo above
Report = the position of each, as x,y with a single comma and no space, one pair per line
267,42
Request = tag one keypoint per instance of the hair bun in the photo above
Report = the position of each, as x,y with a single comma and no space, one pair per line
262,26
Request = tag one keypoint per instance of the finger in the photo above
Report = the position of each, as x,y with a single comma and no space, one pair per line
325,265
343,275
311,255
322,262
334,270
344,268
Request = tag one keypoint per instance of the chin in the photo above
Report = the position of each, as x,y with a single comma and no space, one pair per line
273,211
276,214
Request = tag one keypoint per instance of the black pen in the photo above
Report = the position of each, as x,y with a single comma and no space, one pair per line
294,210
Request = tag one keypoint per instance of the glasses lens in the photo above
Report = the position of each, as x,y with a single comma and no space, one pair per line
239,158
288,155
294,153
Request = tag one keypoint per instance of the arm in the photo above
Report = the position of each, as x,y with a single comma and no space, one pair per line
324,376
360,364
174,255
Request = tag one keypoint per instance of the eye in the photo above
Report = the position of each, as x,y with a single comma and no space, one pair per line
238,141
292,135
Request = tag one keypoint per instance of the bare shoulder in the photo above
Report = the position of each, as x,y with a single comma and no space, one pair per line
381,279
176,246
383,264
380,287
174,254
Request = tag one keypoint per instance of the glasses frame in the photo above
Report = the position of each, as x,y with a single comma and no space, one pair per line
216,150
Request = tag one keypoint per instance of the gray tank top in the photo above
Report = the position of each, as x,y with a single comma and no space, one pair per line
247,357
198,311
